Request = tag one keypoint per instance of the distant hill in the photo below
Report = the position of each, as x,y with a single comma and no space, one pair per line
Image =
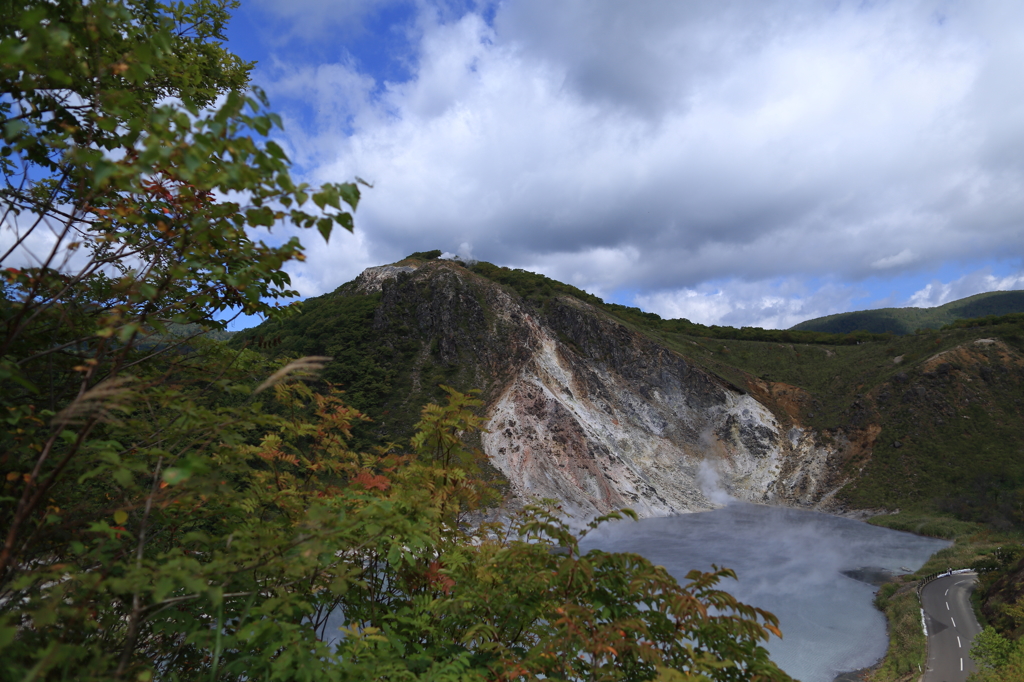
908,320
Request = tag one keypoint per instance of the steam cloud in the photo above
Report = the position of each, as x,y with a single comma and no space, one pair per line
710,484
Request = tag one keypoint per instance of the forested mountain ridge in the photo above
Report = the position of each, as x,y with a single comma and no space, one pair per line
580,406
908,320
601,406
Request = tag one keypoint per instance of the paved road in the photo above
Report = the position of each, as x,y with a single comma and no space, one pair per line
951,627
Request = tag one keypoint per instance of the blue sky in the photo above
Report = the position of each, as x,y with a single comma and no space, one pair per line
730,162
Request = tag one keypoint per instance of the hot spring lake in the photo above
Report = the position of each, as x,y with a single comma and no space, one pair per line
789,562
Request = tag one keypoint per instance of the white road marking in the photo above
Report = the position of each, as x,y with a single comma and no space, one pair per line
954,622
961,665
947,590
958,642
947,606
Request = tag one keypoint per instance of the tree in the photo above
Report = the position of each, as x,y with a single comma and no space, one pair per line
991,649
165,517
119,207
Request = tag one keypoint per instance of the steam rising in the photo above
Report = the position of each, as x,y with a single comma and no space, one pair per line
710,484
463,255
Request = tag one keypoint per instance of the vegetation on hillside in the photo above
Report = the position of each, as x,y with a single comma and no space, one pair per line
907,650
942,410
174,508
949,440
340,328
903,321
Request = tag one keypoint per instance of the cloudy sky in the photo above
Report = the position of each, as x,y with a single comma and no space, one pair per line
742,163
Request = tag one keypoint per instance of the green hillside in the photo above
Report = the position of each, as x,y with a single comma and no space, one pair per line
388,368
904,321
940,413
935,416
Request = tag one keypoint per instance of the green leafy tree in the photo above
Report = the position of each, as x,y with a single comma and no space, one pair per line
127,205
991,649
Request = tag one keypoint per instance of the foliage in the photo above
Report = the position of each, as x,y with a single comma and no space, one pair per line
999,649
991,649
339,327
168,538
124,190
424,255
988,321
531,286
604,616
1011,671
439,432
926,524
225,543
906,640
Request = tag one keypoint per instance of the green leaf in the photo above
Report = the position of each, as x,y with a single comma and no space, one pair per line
175,475
262,216
124,477
349,191
13,128
275,150
345,220
103,171
125,333
324,226
14,374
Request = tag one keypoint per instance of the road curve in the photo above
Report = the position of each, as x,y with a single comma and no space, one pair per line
951,627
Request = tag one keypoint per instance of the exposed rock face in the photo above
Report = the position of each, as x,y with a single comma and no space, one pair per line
585,411
612,420
372,279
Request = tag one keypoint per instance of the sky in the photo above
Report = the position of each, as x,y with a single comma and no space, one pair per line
753,163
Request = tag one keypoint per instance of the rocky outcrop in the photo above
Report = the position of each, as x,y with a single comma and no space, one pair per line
583,410
607,419
372,280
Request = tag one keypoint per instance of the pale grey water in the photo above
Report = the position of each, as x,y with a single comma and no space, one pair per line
789,562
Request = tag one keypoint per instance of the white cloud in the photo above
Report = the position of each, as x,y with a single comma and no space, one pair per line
775,304
937,293
28,241
902,258
660,146
330,265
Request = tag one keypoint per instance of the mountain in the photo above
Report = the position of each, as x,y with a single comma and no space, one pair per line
908,320
602,406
